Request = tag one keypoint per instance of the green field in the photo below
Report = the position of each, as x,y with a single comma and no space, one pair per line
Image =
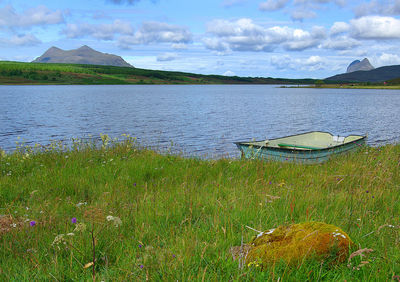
175,218
41,73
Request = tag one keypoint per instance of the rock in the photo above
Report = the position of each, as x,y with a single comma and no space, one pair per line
82,55
358,65
296,243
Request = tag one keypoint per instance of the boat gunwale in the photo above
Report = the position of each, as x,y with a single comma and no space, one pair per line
243,143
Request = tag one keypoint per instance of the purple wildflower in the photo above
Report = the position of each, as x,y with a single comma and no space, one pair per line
134,184
367,191
140,246
141,266
32,223
73,220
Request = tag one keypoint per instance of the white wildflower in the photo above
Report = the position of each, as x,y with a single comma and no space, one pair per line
80,227
116,220
58,240
81,204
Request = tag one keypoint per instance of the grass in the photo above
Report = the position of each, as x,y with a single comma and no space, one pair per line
180,216
46,73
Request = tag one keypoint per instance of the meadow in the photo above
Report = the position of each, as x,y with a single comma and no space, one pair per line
121,212
49,73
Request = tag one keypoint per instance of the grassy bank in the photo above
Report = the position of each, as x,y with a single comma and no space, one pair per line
43,73
350,86
176,218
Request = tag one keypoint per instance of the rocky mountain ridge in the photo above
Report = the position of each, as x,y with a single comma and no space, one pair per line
358,65
82,55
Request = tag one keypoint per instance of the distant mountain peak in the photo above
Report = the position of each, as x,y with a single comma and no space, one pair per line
85,47
82,55
358,65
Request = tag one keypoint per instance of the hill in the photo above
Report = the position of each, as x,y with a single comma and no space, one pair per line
51,73
376,75
82,55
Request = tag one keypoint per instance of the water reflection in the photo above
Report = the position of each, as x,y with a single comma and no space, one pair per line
197,119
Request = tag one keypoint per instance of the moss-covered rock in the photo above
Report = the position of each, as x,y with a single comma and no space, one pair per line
296,243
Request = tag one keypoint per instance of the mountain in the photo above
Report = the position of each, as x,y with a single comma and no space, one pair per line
375,75
356,65
82,55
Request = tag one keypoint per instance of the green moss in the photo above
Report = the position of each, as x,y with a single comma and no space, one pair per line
298,242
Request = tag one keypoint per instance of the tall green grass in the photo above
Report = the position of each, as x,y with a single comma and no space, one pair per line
180,216
54,73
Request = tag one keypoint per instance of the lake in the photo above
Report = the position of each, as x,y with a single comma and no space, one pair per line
198,120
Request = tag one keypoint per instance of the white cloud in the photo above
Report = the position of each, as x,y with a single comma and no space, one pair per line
99,31
301,40
229,3
21,40
179,46
301,14
309,9
40,15
272,5
375,27
286,62
167,57
383,8
244,35
157,32
341,43
337,2
387,60
339,27
229,73
353,53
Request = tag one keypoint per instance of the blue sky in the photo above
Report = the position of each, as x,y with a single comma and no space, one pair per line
267,38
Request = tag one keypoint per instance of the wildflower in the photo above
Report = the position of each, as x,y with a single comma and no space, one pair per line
81,204
80,227
367,191
73,220
134,184
140,246
32,223
58,239
117,221
141,266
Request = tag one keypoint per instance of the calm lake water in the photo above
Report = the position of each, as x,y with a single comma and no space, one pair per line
200,120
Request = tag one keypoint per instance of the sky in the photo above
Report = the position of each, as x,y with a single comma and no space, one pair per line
258,38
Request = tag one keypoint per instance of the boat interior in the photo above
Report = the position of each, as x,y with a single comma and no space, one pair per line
307,141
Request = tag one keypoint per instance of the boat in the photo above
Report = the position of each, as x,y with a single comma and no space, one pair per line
310,147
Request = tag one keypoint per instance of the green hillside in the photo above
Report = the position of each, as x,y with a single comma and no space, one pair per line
376,75
45,73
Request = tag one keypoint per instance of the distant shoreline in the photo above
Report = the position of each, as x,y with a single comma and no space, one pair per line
336,86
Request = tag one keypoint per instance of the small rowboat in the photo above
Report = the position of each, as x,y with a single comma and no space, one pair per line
311,147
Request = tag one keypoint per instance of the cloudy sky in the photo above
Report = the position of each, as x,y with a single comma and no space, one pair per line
268,38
